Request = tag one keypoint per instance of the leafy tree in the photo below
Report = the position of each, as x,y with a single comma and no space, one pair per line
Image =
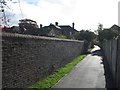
100,28
85,35
108,34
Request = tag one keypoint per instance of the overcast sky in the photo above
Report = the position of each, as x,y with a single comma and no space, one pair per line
86,14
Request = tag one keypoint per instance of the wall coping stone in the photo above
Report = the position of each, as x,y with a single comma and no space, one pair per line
3,34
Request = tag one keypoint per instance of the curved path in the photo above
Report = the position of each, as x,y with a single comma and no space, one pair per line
89,73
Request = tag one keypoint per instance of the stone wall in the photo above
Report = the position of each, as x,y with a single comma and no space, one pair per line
27,59
111,50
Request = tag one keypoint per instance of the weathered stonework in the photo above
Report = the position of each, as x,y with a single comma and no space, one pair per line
28,59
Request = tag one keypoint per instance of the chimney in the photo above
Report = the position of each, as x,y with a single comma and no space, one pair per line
73,24
40,26
56,23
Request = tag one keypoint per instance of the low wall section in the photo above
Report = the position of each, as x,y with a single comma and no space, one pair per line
28,59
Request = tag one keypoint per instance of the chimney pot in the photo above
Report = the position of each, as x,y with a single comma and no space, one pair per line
56,23
73,24
40,25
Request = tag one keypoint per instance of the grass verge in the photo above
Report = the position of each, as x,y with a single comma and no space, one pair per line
53,79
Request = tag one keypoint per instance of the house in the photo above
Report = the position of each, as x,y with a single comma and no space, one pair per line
55,30
115,27
15,29
68,31
27,23
28,26
6,29
51,30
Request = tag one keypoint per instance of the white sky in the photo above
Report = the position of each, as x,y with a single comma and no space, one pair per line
86,14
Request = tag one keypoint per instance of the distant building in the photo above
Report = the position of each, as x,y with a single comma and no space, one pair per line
28,26
54,30
115,27
51,31
68,31
27,23
13,29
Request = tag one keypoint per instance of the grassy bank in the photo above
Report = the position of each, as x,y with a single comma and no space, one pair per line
53,79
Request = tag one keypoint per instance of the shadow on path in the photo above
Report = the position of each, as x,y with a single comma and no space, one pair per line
97,53
107,73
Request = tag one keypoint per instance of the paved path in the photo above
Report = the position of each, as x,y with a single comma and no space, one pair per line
89,73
